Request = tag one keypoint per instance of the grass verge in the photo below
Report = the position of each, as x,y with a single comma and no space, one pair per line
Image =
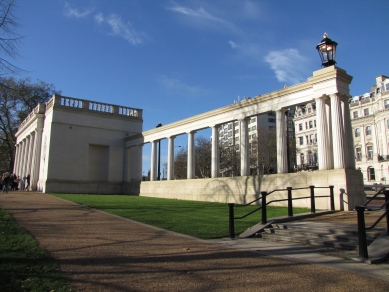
24,266
199,219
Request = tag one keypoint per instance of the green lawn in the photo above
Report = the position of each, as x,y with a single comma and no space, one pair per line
199,219
24,266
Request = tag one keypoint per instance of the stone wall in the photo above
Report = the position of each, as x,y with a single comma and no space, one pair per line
348,188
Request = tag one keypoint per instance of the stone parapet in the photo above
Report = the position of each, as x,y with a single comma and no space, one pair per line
348,188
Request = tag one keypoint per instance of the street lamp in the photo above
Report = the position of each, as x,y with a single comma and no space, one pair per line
327,51
159,155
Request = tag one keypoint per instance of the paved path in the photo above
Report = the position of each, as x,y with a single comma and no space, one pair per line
103,252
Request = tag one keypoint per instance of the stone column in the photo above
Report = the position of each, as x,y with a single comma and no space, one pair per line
30,155
36,158
170,158
349,148
25,157
330,153
191,156
215,167
153,168
244,148
337,132
17,157
322,134
282,156
21,159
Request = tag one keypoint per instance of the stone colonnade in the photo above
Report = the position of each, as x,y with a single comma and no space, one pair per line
335,142
27,157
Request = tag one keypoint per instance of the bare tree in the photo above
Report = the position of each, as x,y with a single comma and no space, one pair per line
263,155
9,40
229,161
180,164
17,99
203,157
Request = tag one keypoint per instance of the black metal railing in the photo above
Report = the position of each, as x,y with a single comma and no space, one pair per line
290,199
363,253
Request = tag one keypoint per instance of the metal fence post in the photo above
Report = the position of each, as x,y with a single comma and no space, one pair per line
386,193
231,220
362,232
332,199
264,215
313,208
290,204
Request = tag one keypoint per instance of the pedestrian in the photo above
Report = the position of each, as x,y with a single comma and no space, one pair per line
27,182
6,180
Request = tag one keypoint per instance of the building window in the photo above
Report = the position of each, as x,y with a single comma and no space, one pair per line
357,133
366,112
302,159
310,124
229,126
309,110
370,173
386,103
387,87
301,126
301,140
387,123
368,131
236,124
225,130
311,139
314,123
355,114
369,152
229,133
254,135
270,120
236,139
237,147
254,128
358,152
252,120
236,131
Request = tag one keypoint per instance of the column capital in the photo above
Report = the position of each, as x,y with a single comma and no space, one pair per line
323,97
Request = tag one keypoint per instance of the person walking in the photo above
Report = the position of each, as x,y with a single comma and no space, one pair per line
27,182
6,181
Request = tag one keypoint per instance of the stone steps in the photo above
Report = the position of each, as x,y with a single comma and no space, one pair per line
317,234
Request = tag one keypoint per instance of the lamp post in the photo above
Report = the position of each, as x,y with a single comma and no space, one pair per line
327,51
159,155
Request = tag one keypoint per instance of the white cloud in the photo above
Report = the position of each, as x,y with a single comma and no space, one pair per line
233,44
200,14
179,87
120,28
74,12
288,65
99,18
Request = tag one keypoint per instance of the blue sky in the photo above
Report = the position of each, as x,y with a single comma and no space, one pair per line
176,59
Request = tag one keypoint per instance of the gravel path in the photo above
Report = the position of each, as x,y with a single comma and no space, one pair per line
102,252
